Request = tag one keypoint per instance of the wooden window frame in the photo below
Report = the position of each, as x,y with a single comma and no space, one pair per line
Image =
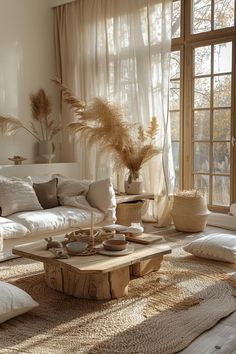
185,43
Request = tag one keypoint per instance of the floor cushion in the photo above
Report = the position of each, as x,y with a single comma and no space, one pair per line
220,247
14,301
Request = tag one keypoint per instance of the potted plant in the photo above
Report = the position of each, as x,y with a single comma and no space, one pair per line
102,123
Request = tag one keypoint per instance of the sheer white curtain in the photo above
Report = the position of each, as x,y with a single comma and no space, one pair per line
120,49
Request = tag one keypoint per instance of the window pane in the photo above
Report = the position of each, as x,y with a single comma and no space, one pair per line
221,157
174,121
175,65
201,182
223,57
174,95
176,19
201,125
201,16
221,188
202,61
201,157
221,124
223,13
202,90
222,91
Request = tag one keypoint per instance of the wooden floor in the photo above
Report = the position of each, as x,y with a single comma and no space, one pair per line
221,339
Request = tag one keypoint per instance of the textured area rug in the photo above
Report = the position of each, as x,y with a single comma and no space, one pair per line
162,314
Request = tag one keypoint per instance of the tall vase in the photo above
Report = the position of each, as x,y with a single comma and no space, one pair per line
46,150
134,183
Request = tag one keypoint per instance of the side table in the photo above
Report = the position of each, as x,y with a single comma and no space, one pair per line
129,207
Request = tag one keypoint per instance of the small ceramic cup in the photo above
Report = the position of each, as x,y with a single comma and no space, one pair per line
119,237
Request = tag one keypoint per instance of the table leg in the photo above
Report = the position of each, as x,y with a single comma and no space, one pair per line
145,267
99,286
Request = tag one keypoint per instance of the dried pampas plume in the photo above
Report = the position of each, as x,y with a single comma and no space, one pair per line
102,123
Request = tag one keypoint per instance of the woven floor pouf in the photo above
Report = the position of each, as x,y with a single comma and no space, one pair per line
190,211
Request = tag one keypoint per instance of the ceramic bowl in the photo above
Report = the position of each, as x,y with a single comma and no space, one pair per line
76,247
115,245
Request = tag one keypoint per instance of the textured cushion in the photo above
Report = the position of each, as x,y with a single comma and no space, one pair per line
220,247
56,219
11,229
77,201
17,196
101,195
71,187
47,193
14,301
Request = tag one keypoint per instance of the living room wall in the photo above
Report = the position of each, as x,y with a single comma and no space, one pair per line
27,63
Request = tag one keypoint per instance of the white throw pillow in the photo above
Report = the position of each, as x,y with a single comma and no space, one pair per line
101,195
11,229
71,187
14,301
220,247
15,196
77,201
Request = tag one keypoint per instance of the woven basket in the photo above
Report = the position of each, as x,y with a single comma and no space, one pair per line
129,212
189,213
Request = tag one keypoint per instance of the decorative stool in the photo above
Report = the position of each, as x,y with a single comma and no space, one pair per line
129,212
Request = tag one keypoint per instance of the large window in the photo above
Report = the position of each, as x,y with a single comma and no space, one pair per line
203,74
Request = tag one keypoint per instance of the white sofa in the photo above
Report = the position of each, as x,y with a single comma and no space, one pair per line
29,225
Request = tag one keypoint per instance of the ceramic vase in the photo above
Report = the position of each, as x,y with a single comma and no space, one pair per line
134,183
46,150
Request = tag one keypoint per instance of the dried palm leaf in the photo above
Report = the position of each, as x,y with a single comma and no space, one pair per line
75,104
9,125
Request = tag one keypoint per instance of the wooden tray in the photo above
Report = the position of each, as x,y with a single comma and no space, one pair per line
144,238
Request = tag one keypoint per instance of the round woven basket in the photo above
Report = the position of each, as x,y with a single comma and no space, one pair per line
189,213
129,212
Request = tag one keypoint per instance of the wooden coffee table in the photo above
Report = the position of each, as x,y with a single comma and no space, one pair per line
95,277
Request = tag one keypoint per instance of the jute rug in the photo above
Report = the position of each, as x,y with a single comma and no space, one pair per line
163,313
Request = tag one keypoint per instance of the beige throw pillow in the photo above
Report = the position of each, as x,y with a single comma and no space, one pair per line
101,195
16,196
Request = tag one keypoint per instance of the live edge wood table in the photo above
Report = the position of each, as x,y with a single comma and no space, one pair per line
95,277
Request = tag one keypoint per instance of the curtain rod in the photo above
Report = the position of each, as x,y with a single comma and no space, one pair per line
54,3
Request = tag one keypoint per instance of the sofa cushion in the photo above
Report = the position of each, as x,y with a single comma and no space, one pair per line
17,195
220,247
47,193
11,229
56,219
101,195
14,301
71,187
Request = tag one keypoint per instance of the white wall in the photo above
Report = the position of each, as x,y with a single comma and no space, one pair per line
26,64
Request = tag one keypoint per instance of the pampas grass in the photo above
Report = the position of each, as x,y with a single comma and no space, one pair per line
102,123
